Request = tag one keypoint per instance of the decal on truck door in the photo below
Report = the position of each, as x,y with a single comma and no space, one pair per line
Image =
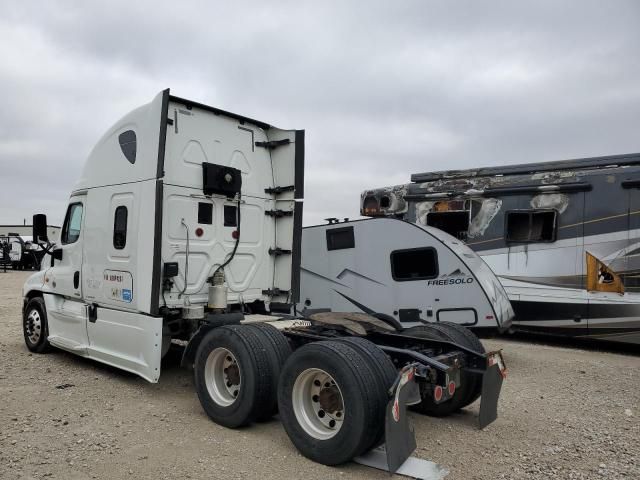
118,285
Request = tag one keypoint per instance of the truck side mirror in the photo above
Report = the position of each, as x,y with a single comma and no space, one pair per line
40,228
57,254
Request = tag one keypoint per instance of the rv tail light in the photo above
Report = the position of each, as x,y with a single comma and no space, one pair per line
489,317
370,207
199,232
437,393
235,234
452,388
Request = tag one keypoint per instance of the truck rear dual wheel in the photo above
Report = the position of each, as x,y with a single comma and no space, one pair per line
236,372
385,375
471,384
278,350
331,400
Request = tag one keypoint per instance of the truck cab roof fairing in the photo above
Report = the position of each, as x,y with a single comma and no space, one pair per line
108,165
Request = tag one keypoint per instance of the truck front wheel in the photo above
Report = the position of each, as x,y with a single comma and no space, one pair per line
35,327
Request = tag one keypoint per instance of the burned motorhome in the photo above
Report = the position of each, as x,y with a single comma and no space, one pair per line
563,237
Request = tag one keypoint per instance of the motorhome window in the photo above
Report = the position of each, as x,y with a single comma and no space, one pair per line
340,238
230,216
414,264
72,224
530,226
205,213
454,223
120,228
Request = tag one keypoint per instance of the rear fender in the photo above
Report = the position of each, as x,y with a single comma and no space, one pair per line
211,321
189,354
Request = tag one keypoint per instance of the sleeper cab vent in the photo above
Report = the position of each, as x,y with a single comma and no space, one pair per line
221,180
128,145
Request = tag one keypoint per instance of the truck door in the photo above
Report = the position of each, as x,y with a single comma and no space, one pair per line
65,308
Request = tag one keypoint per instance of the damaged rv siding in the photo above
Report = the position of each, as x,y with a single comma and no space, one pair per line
597,210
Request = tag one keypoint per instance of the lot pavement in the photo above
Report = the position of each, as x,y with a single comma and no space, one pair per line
565,413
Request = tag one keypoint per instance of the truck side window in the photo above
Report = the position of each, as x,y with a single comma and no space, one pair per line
72,224
414,264
529,226
120,228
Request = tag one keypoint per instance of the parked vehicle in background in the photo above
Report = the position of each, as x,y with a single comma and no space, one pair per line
411,273
563,237
20,252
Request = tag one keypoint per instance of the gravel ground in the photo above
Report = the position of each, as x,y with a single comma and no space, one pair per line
565,413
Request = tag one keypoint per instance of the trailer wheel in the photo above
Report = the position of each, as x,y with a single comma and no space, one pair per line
278,354
430,332
233,374
472,342
442,331
35,326
330,402
385,375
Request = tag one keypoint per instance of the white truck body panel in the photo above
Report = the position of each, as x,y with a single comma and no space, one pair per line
139,204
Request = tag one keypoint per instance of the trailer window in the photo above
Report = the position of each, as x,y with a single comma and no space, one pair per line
529,226
72,224
120,228
340,238
414,264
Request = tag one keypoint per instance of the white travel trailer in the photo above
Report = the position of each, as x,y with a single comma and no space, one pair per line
186,225
410,273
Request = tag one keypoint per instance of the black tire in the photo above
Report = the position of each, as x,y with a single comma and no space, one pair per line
254,369
429,332
428,406
36,338
385,374
360,400
472,342
278,352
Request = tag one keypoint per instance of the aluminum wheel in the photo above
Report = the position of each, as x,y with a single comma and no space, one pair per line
34,326
223,376
318,403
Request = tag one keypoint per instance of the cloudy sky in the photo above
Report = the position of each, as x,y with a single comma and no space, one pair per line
383,89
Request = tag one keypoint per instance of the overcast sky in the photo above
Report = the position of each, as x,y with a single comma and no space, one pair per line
383,89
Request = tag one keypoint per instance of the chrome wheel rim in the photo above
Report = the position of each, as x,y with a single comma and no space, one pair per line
222,376
34,326
318,404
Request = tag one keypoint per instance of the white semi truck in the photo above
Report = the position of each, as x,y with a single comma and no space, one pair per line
186,225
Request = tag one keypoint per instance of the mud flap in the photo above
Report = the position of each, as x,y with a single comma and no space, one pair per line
400,438
491,386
